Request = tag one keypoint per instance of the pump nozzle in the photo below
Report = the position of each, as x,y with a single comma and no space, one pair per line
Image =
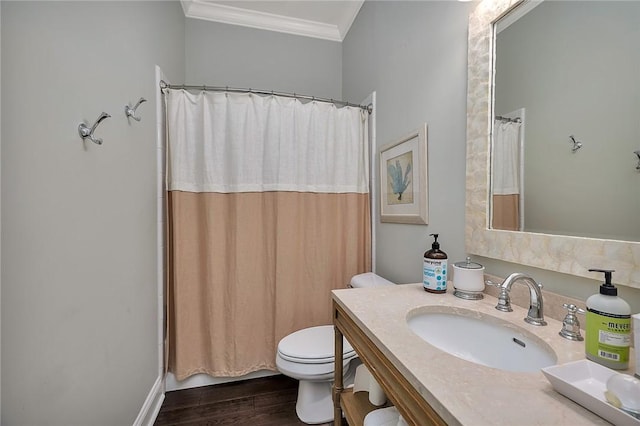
436,244
606,287
607,274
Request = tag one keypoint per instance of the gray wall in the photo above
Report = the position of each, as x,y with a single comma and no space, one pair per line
228,55
563,284
587,86
79,269
414,55
79,321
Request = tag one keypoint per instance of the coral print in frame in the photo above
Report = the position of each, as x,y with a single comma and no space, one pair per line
403,179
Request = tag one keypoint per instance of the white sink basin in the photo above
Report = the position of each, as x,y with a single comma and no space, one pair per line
480,338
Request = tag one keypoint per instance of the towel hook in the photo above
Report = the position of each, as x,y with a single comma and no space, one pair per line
87,133
638,154
131,112
576,144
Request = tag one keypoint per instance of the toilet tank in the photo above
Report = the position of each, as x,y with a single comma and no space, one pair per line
368,279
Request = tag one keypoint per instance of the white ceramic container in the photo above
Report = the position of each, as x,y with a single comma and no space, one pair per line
468,279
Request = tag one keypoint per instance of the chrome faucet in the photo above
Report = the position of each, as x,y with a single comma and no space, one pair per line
535,316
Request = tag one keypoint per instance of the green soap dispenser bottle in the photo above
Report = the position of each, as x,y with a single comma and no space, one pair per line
434,268
608,326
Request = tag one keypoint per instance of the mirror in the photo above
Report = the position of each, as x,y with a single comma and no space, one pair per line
568,254
567,110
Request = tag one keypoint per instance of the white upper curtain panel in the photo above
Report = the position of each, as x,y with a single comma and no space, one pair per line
506,158
237,142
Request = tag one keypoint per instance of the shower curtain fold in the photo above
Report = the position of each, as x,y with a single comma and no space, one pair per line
269,210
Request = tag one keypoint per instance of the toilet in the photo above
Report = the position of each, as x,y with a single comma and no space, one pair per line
308,356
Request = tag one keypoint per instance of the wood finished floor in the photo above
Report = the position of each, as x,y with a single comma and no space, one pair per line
267,401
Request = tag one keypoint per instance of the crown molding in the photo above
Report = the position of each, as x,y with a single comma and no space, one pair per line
201,9
349,17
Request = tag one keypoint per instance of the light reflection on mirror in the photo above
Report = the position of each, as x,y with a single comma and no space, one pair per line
568,69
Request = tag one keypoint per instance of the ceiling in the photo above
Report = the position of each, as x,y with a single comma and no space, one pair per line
328,20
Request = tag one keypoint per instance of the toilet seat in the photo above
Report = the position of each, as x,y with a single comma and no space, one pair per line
314,345
302,371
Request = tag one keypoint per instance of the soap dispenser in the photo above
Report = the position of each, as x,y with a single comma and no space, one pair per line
608,326
434,268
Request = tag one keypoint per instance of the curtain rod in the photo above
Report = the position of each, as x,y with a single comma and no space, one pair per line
165,85
510,120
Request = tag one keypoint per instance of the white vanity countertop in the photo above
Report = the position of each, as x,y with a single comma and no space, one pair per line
462,392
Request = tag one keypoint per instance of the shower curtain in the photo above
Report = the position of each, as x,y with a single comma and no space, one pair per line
268,211
506,176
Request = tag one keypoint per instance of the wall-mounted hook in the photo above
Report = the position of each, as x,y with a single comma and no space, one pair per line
576,144
87,133
131,112
638,154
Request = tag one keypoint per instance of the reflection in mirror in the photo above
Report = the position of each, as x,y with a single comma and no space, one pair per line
507,183
552,251
573,67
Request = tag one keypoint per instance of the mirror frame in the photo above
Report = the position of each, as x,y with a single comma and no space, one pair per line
566,254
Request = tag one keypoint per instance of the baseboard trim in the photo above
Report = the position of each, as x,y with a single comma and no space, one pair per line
151,407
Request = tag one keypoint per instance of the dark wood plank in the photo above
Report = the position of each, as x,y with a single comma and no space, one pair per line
274,399
232,408
253,387
182,398
267,401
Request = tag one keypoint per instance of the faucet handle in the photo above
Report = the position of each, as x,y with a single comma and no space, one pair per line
491,283
570,324
573,309
504,300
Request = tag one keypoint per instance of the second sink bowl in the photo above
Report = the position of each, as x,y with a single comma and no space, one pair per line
481,338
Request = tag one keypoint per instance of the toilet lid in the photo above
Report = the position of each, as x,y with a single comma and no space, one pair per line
313,345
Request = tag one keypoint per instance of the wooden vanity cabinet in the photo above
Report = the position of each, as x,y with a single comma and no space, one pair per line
415,410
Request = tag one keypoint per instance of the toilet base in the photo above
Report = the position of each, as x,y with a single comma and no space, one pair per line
315,398
315,404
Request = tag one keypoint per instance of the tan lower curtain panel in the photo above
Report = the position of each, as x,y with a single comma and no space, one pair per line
246,269
506,212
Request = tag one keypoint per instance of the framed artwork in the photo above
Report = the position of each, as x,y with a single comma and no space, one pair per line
403,179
